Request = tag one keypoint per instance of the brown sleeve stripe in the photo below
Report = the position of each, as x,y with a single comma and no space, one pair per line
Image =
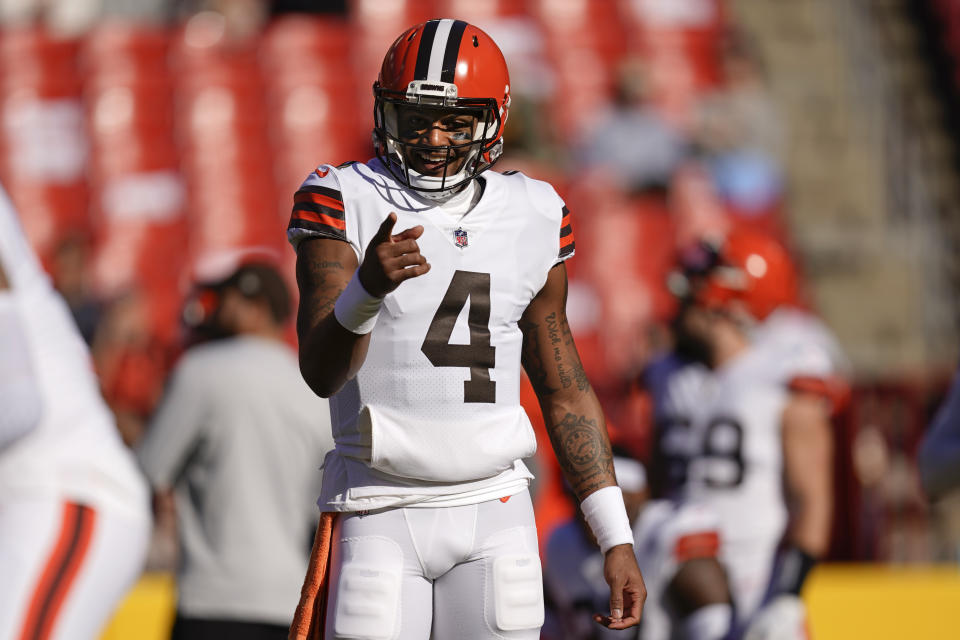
313,208
566,235
323,196
322,219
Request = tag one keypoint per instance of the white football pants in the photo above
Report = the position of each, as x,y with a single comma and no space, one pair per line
64,567
749,564
447,572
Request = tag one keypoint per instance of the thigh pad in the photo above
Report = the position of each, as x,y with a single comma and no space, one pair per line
368,588
518,591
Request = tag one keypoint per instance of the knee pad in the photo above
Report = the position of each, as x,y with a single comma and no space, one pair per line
518,592
368,589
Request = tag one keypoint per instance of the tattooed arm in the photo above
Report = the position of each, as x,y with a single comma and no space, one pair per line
575,423
570,408
329,354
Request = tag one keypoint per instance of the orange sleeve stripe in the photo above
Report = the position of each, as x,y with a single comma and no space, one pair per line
321,218
60,572
565,241
704,544
318,198
565,221
810,384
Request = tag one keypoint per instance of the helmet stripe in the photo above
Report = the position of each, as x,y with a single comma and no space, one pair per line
439,46
423,52
452,51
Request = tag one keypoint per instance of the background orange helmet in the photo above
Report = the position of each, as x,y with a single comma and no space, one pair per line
751,267
450,64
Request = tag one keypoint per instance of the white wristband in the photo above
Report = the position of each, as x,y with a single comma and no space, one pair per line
604,512
356,310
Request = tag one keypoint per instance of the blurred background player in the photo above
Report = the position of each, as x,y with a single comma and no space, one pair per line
747,431
237,438
677,548
74,514
435,533
939,459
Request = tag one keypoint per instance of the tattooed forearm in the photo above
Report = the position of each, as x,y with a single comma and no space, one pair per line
532,360
583,450
320,282
553,332
576,366
580,376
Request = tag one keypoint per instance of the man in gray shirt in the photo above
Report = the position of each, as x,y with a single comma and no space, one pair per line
239,438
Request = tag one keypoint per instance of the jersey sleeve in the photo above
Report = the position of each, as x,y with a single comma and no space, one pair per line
808,368
567,244
318,210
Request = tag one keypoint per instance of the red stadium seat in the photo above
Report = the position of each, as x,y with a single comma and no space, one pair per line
481,12
129,109
391,14
122,53
707,16
30,56
291,42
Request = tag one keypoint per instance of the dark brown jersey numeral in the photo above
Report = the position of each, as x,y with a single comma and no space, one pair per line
479,354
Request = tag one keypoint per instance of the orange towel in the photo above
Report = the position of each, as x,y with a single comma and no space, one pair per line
308,621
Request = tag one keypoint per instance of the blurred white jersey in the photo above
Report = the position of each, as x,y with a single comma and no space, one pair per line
809,347
728,422
434,415
75,453
665,535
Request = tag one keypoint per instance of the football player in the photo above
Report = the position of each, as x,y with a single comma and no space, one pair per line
748,430
74,510
425,280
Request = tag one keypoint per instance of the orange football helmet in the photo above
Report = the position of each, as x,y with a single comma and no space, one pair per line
751,267
447,64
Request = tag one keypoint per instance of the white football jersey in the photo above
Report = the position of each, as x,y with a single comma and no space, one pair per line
728,425
665,535
434,413
75,452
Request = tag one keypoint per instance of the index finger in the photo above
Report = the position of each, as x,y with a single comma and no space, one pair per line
409,234
386,227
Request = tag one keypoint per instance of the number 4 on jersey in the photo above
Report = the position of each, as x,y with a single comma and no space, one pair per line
479,354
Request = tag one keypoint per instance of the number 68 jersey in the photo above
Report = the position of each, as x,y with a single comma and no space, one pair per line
727,425
434,416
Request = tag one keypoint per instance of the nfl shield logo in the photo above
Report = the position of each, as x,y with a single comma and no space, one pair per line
460,238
